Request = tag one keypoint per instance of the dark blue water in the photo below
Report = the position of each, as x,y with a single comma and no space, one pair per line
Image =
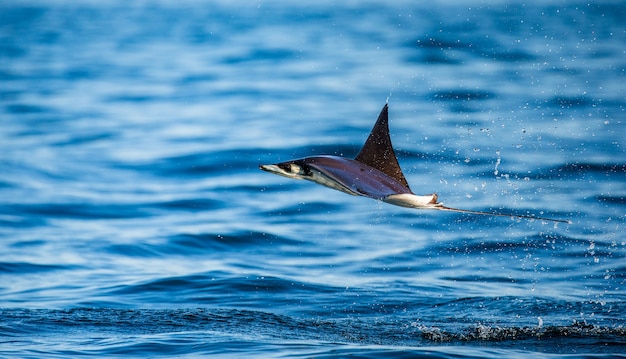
134,220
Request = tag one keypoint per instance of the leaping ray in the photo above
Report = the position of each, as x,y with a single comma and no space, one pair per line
373,173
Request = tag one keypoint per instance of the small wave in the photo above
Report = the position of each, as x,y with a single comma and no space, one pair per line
222,288
207,163
202,204
612,199
303,209
24,108
570,102
16,221
262,55
224,242
23,267
81,210
189,244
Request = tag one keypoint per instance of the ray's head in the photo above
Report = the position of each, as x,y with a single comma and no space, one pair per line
296,169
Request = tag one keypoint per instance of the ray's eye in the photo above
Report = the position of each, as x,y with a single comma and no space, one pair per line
287,167
290,167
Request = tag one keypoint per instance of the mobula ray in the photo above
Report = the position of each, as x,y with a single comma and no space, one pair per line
373,173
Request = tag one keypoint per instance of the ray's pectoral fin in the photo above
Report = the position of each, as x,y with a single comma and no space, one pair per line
377,152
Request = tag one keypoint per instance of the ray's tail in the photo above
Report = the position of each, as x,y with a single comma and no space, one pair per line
441,207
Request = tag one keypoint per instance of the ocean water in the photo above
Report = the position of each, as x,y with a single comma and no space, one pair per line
134,221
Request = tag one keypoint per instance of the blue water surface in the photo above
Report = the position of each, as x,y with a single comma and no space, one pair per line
134,221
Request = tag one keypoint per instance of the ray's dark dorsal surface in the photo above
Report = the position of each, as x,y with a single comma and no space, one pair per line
377,152
373,173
